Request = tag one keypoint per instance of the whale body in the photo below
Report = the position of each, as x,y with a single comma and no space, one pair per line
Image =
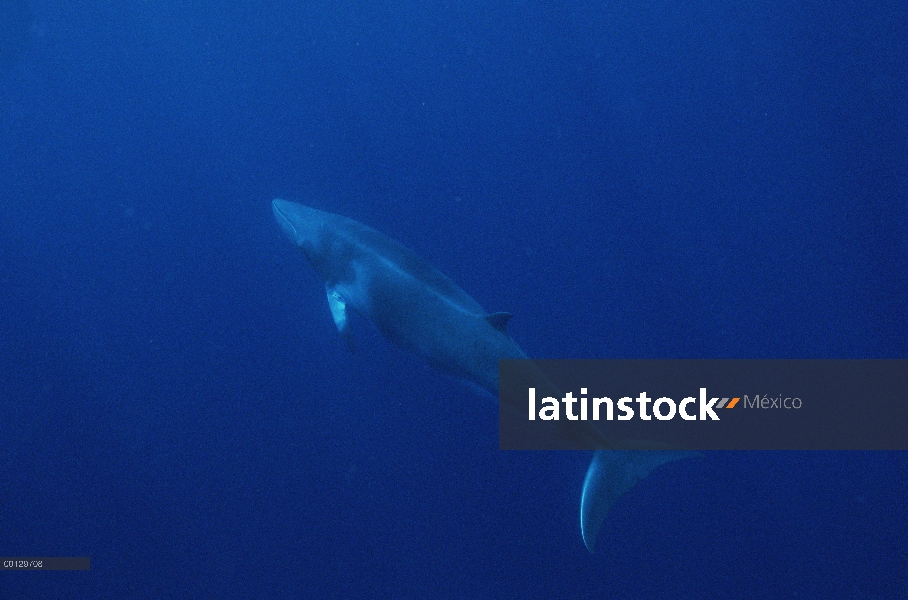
421,310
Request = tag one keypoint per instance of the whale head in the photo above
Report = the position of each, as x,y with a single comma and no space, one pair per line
303,225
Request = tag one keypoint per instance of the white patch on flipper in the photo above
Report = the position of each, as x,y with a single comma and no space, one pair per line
338,307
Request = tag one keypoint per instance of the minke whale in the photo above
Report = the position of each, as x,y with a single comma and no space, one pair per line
421,310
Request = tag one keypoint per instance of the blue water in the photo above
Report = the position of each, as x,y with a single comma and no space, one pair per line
632,179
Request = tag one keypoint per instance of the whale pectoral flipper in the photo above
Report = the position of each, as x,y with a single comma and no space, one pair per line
611,474
338,307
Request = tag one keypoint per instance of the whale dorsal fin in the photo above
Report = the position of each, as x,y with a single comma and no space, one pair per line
499,320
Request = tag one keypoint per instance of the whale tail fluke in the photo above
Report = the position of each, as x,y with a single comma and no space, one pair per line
611,474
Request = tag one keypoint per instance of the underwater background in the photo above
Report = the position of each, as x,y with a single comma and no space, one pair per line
655,179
